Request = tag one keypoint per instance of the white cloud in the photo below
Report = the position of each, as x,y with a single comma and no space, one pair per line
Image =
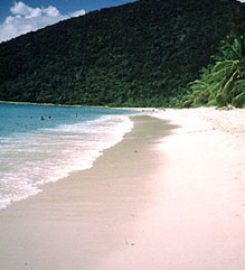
52,11
24,19
77,13
20,9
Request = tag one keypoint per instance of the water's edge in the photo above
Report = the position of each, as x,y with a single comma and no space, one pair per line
50,154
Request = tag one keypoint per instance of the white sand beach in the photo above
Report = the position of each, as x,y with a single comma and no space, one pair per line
170,196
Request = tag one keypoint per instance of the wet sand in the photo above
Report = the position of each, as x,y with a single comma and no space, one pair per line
79,221
170,196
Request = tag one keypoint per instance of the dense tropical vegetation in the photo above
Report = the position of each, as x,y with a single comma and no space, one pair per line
222,83
149,53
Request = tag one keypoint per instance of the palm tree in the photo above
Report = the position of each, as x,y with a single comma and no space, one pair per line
230,74
224,82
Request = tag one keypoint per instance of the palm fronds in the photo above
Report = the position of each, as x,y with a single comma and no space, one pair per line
224,82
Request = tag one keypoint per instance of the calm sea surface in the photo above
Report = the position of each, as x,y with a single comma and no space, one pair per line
41,144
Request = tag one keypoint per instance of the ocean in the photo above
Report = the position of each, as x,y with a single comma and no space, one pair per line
42,144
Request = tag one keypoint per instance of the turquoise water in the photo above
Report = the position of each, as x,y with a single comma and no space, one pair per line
41,144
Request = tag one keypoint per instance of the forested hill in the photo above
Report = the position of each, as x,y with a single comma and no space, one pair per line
140,54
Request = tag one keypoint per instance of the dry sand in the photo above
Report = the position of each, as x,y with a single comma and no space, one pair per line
170,196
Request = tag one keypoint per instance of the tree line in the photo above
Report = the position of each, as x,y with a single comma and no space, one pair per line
147,53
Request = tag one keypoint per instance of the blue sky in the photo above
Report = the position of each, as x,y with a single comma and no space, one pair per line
20,17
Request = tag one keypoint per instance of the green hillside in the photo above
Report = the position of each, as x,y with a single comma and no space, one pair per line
141,54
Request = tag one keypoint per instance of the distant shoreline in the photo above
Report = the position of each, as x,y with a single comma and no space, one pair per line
49,104
143,109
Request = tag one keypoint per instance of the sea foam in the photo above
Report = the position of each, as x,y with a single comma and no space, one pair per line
31,159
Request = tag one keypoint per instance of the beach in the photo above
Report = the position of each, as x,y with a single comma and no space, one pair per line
169,196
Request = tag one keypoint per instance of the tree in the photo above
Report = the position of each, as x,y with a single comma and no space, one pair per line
224,82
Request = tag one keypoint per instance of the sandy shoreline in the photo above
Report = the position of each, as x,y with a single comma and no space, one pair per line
77,222
170,196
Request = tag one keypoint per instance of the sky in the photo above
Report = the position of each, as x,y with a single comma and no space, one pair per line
21,17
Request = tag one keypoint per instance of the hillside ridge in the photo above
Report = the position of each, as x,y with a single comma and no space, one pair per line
139,54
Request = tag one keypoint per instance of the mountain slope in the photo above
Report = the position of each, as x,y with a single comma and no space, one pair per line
138,54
